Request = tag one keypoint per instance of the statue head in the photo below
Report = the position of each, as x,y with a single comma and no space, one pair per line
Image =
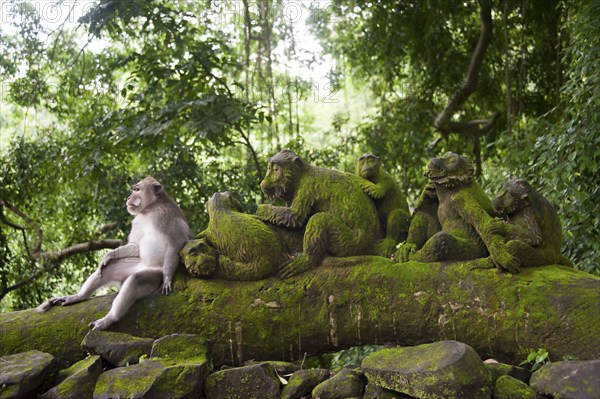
367,166
515,195
450,170
223,201
283,171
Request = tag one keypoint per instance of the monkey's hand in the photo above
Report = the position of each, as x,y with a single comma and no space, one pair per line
65,300
166,286
296,266
404,250
109,257
495,226
375,191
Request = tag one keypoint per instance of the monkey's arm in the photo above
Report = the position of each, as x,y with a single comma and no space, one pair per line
469,209
130,250
169,267
292,217
375,191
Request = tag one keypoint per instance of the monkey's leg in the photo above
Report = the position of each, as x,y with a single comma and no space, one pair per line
140,284
397,225
325,234
244,271
532,256
446,247
116,272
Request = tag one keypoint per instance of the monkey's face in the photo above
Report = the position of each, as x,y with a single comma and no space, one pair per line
449,170
512,197
142,195
224,201
276,183
368,166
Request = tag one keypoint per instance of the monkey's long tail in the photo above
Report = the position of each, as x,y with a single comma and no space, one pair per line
43,307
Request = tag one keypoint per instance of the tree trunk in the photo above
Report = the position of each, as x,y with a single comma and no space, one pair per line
367,300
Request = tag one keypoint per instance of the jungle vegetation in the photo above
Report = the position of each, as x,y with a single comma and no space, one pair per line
96,94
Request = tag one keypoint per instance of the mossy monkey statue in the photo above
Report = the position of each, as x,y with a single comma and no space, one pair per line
531,225
392,208
424,224
464,211
340,219
235,245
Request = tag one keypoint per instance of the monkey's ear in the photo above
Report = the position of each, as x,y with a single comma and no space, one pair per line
158,188
298,161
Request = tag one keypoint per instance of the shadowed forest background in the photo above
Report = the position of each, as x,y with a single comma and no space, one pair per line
96,94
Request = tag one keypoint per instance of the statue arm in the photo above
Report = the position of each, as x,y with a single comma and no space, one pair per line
292,217
471,211
375,191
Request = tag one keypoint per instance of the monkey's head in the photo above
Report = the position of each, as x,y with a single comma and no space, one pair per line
515,195
367,166
224,201
450,170
283,172
143,194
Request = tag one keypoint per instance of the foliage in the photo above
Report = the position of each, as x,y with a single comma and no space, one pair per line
536,359
199,94
353,356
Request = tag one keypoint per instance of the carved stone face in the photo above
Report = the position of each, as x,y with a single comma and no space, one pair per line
283,170
449,170
513,196
223,201
368,166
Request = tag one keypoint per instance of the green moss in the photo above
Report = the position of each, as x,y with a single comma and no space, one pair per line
392,208
340,219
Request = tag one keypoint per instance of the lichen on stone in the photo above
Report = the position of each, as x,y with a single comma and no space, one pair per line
339,217
392,208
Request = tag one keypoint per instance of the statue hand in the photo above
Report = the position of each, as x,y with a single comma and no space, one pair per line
404,250
502,258
264,212
495,226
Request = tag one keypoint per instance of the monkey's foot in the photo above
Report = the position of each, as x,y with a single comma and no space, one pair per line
65,300
404,252
481,263
102,324
298,265
504,260
385,247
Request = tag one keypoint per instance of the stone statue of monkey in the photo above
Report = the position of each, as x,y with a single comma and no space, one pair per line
144,265
531,225
338,216
245,248
392,208
423,225
464,211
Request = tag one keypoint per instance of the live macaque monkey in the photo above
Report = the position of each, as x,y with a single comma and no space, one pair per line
149,259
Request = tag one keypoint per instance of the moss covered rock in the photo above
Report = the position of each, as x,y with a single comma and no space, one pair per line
182,347
373,391
258,381
497,370
568,380
347,383
442,370
153,378
22,374
302,382
117,349
507,387
78,381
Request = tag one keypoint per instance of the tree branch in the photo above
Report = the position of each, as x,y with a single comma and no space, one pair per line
61,255
469,86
